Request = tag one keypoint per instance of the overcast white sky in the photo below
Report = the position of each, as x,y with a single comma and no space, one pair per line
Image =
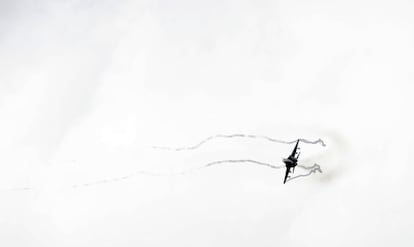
87,86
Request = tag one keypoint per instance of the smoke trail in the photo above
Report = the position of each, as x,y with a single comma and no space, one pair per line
238,136
119,179
312,169
242,161
186,172
16,189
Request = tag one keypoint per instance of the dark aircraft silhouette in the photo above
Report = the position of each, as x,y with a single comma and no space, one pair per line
291,161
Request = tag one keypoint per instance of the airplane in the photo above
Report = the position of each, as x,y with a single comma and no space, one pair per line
291,161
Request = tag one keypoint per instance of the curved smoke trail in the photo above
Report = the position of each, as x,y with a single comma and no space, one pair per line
313,169
238,136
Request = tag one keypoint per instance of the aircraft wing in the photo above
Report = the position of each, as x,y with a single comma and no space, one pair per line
287,174
294,150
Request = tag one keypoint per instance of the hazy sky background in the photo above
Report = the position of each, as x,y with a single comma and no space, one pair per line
87,86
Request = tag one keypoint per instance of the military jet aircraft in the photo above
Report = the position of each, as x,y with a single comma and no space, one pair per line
291,161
